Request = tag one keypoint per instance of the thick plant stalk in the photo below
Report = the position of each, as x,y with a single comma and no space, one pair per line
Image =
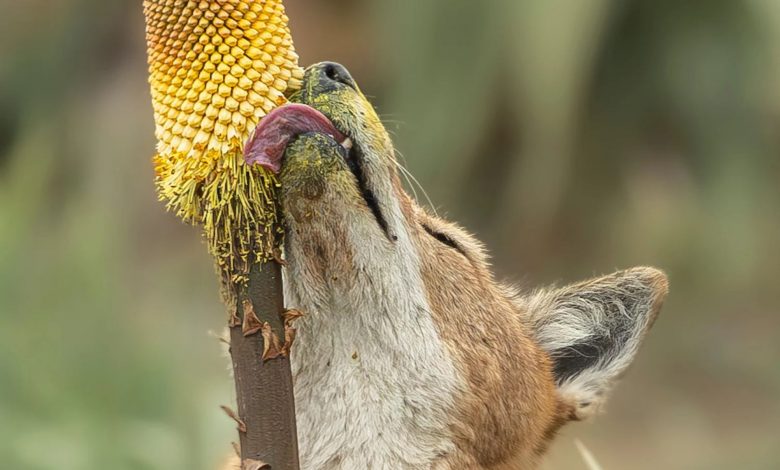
216,67
264,387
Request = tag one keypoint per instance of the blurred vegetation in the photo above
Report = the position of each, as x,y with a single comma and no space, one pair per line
573,137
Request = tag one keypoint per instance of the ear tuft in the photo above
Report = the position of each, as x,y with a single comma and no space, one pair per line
593,330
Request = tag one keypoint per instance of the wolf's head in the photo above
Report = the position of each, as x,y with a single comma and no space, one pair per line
514,367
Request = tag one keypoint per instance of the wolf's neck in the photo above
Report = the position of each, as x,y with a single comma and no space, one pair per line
373,381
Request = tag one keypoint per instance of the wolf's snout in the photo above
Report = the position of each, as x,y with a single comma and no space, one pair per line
328,76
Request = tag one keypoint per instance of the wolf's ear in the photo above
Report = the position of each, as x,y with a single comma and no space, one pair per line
592,331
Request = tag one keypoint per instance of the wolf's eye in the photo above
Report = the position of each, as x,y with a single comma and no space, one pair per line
443,238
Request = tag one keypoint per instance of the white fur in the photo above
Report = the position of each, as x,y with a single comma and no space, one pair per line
621,304
388,407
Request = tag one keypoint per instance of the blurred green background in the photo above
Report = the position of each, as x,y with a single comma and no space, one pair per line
573,137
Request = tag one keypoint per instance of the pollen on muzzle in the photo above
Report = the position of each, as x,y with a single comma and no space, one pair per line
216,67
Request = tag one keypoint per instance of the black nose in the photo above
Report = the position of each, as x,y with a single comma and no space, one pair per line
335,73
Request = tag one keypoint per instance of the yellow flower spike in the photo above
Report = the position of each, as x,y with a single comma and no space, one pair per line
216,67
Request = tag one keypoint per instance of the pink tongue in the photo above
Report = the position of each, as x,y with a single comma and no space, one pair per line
266,146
